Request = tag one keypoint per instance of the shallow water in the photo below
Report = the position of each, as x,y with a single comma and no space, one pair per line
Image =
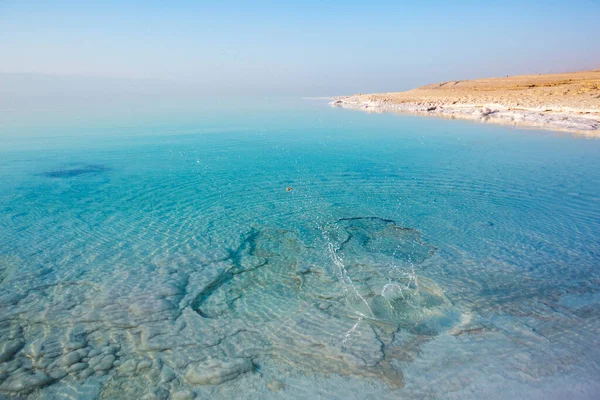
156,252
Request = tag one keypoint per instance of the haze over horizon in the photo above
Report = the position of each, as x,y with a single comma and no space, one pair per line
266,48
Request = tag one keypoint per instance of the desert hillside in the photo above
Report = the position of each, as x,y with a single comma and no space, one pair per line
577,91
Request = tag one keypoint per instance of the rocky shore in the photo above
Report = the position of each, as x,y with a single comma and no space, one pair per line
565,102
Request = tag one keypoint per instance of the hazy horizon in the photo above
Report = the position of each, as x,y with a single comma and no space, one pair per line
308,50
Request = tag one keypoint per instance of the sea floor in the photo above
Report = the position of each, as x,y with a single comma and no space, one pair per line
301,252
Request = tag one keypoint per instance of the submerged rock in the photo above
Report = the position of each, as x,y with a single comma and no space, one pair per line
160,393
275,385
302,268
128,366
77,367
144,364
183,395
203,326
106,363
72,358
367,239
25,382
87,169
10,348
214,371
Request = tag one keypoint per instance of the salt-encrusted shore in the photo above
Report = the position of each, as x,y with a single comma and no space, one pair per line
565,102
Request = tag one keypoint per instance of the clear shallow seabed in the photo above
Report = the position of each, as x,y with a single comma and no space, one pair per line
157,253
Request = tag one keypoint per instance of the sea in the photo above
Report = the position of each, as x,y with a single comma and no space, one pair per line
280,248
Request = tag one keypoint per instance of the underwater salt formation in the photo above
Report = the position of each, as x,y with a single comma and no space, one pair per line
85,169
375,260
181,323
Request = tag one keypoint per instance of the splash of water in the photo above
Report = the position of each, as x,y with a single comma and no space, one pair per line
347,283
402,284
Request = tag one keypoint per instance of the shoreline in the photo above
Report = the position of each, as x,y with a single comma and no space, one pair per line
559,102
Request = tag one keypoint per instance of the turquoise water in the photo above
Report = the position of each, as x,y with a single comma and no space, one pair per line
156,251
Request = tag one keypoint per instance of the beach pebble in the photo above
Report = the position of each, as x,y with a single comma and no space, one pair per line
183,395
275,385
70,346
144,364
14,332
128,366
214,371
42,362
12,298
86,373
110,349
25,382
93,353
72,357
142,308
167,375
57,374
160,393
10,366
95,360
76,367
10,348
106,363
33,350
170,289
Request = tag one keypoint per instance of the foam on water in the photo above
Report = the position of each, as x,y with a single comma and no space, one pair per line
413,258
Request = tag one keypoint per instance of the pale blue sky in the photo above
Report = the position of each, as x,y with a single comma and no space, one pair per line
312,47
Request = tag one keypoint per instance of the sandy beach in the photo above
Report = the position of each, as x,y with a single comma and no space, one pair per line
565,102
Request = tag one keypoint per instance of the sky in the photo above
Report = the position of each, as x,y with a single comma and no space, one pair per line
306,47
